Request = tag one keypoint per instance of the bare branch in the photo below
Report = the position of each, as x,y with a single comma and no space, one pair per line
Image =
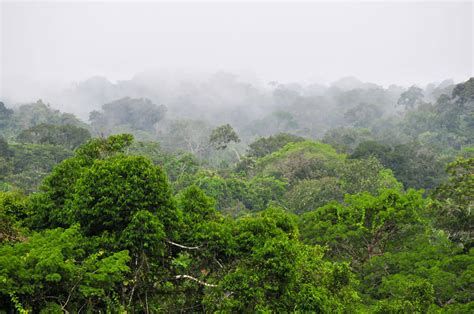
217,261
195,279
184,246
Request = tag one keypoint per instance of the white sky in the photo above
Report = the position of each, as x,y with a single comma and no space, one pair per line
404,43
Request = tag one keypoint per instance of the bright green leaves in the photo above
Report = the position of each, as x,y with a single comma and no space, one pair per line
54,265
365,225
121,203
272,271
235,195
13,208
144,233
107,272
49,207
303,160
100,148
109,193
405,294
453,206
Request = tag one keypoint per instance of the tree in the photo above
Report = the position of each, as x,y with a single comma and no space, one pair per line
267,145
345,140
125,185
13,209
5,116
48,207
52,270
453,204
272,271
222,136
405,294
464,92
307,195
137,114
302,160
363,115
365,226
5,158
30,115
69,136
415,165
410,98
186,135
5,151
31,163
427,259
179,166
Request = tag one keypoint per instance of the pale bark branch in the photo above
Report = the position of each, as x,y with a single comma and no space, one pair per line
196,280
184,246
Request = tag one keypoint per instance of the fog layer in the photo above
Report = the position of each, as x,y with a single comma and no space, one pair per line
46,46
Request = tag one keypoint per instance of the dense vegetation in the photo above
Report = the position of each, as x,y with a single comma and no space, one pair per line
347,199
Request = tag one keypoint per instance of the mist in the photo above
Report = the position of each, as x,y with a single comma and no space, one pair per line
47,47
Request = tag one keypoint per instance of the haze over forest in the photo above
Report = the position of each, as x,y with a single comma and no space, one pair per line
46,46
245,157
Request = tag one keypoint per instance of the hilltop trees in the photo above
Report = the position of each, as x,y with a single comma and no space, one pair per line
69,136
30,115
126,114
410,98
267,145
222,136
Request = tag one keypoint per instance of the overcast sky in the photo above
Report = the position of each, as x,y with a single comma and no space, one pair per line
404,43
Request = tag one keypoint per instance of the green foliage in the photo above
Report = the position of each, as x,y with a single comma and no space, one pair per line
100,148
68,136
413,164
222,136
186,135
53,265
294,226
304,160
267,145
453,205
109,193
317,174
234,193
464,92
31,163
31,115
307,195
363,115
13,208
5,116
428,258
345,140
365,226
290,276
48,207
410,98
180,166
